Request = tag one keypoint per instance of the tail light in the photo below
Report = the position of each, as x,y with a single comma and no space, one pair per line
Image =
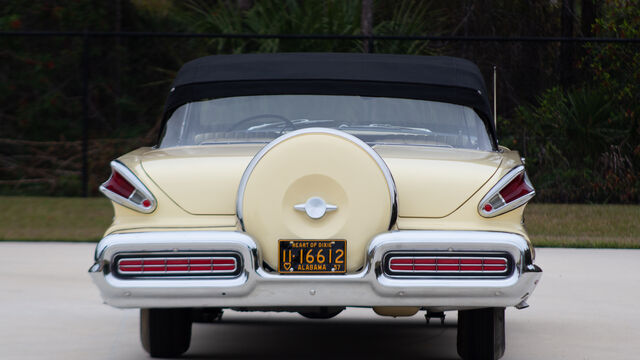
178,265
126,189
512,191
469,264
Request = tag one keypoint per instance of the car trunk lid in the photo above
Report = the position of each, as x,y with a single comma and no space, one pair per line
432,182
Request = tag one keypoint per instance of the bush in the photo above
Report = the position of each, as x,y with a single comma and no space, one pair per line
579,147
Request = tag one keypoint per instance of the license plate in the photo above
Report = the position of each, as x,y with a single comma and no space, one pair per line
313,257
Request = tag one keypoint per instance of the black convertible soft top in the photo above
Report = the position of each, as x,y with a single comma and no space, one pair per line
437,78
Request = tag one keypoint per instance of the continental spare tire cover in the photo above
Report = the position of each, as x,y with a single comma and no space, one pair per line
316,184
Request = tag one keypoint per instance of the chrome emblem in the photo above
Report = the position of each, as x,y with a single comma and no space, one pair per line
315,207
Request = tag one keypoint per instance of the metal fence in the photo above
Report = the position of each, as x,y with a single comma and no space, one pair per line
74,100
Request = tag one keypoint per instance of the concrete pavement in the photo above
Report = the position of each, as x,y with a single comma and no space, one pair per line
585,307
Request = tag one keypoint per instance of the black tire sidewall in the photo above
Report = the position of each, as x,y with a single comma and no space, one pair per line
481,333
165,332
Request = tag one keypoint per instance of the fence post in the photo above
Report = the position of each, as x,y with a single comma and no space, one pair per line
85,113
366,25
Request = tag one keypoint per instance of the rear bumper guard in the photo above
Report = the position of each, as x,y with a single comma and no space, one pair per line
255,286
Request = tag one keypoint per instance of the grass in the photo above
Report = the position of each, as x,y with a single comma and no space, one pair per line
584,225
549,225
53,218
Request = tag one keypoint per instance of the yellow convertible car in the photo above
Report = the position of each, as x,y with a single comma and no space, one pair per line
314,182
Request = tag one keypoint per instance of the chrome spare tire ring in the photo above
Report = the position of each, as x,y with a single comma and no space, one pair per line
383,167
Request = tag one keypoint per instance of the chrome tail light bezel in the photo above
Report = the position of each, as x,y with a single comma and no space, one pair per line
448,272
176,259
494,194
140,190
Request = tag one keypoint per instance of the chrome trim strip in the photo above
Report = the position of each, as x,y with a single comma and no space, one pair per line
137,185
162,269
499,186
256,286
460,265
378,159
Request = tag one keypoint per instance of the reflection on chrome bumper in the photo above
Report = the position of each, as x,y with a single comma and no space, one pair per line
256,286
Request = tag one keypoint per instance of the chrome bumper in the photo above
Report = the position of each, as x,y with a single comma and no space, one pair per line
258,287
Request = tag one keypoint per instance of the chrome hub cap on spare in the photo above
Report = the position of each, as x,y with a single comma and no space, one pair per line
315,207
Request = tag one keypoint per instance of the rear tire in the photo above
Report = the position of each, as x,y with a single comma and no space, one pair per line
481,334
165,332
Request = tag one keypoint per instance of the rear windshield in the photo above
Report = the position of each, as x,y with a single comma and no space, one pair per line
375,120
